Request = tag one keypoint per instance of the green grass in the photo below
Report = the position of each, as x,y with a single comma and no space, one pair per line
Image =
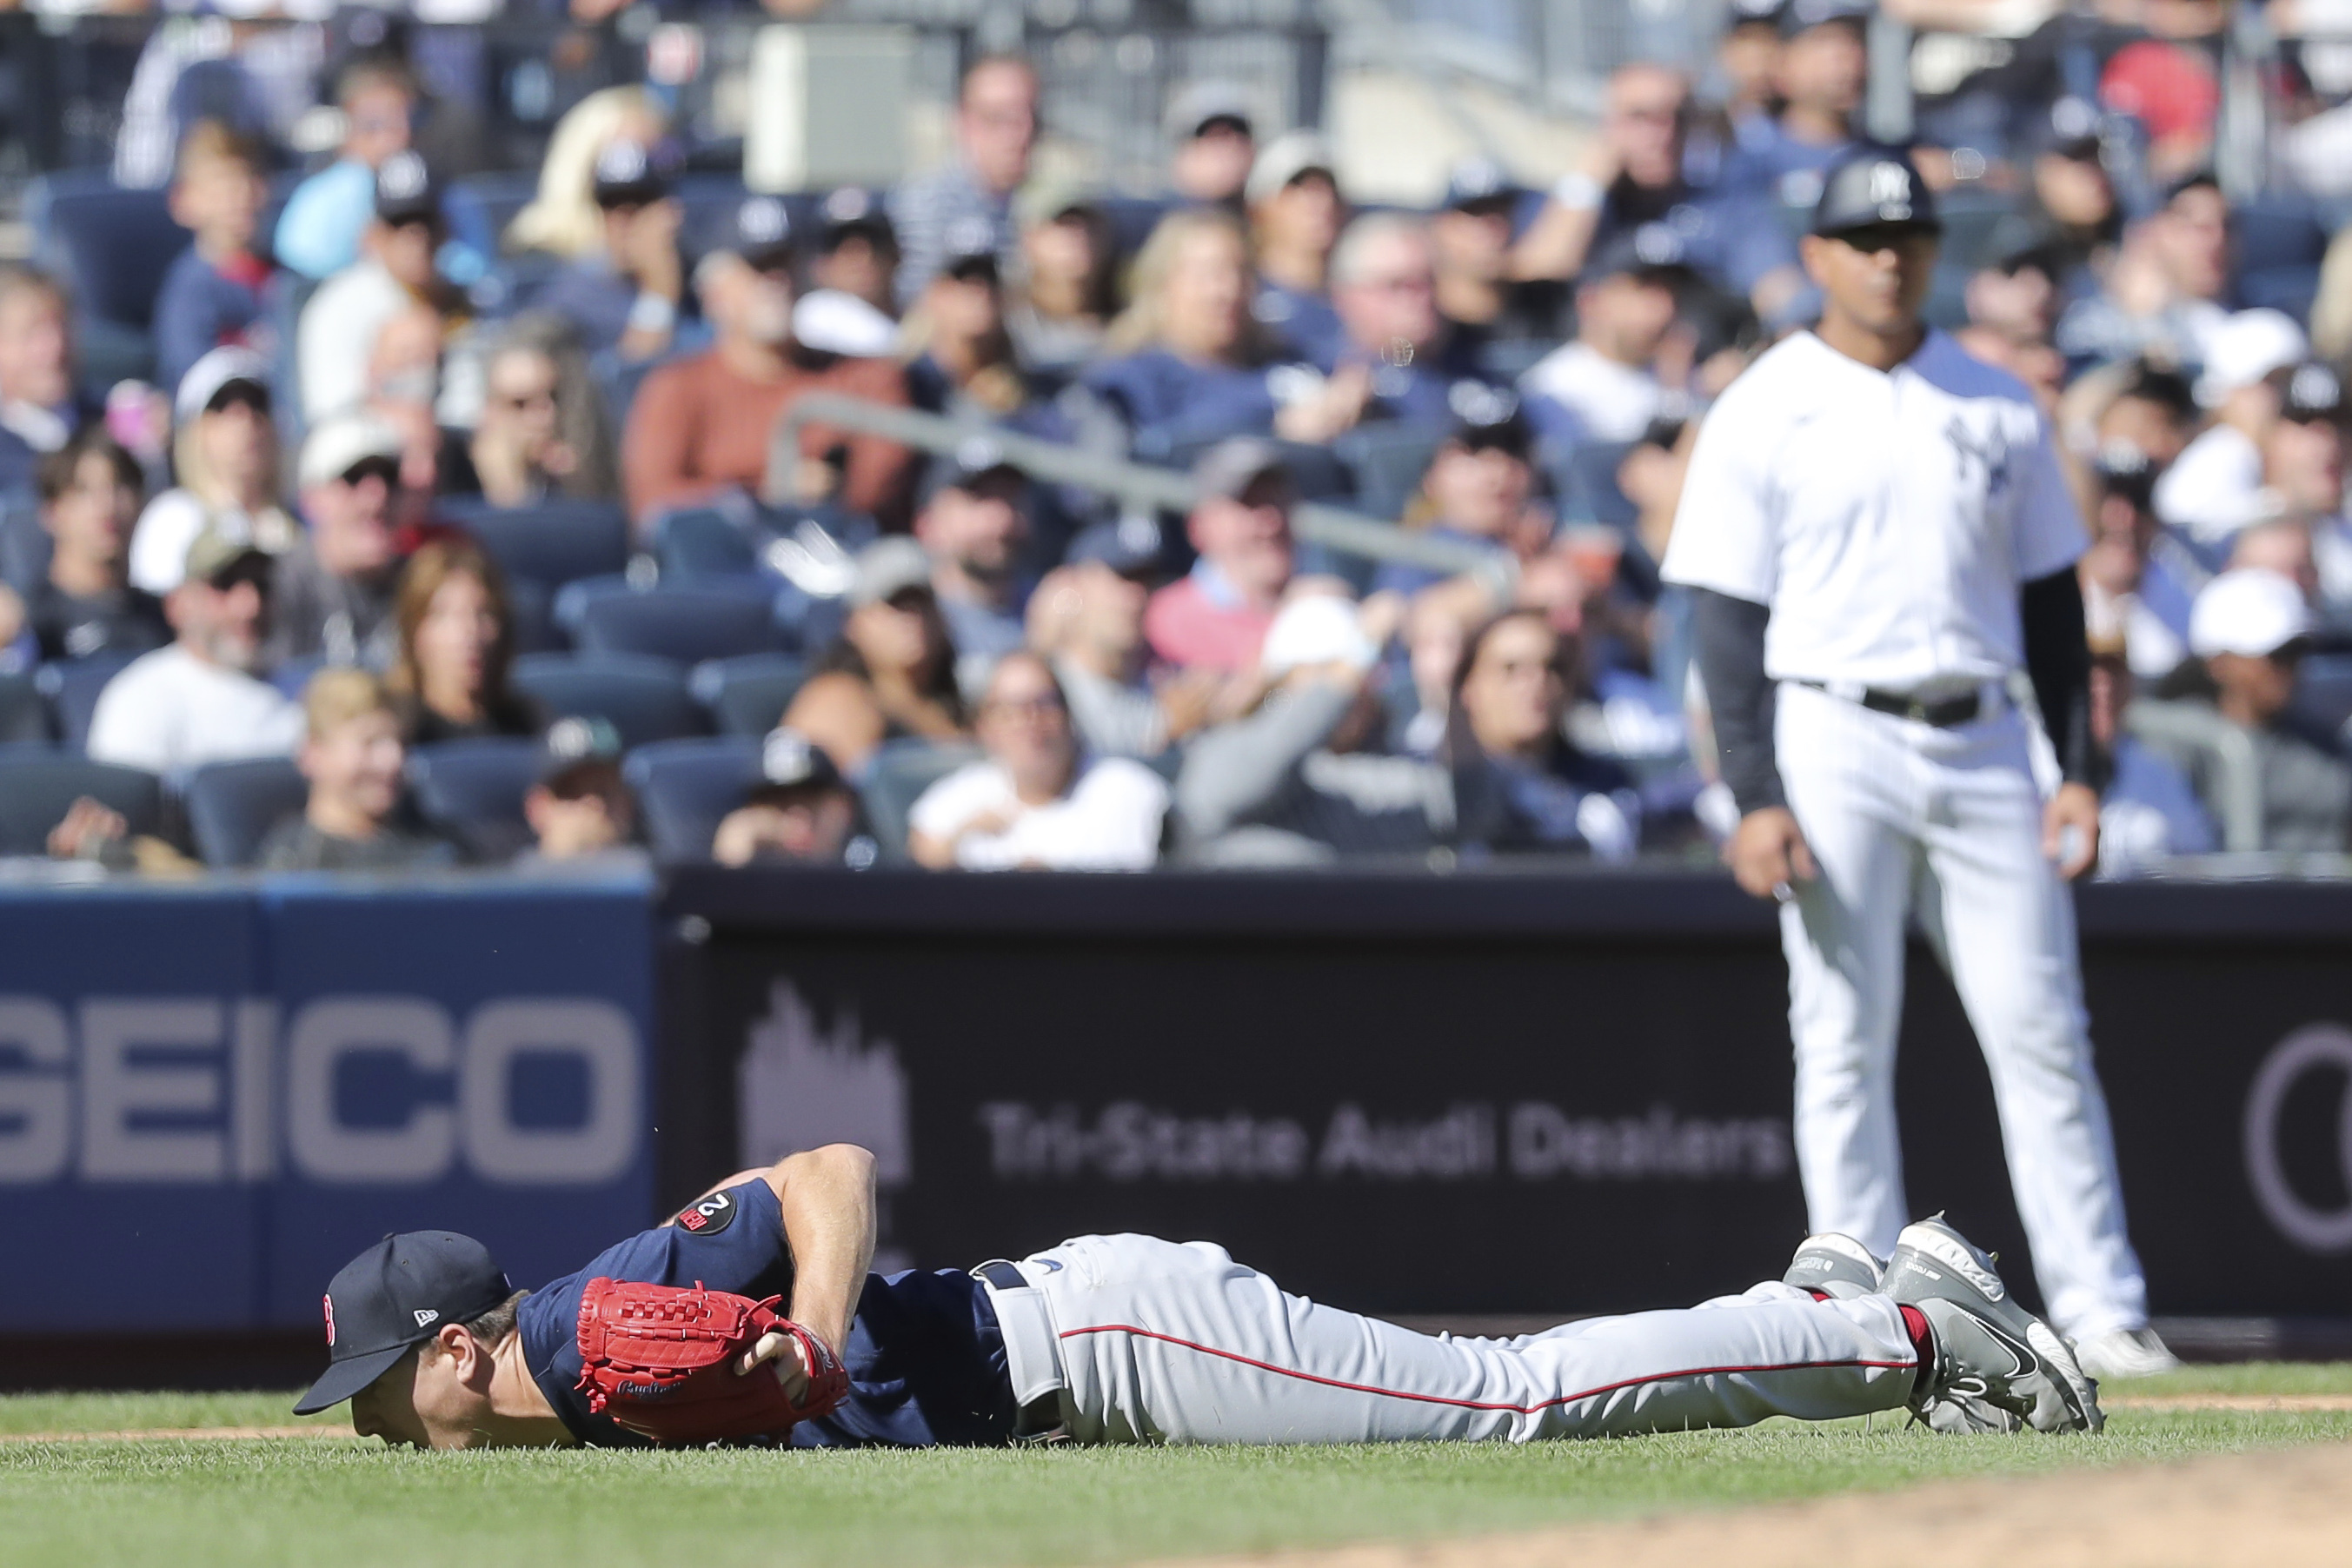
303,1500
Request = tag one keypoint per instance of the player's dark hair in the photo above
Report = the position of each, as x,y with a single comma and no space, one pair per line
493,1327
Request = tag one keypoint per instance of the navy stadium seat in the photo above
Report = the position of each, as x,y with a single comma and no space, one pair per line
717,618
550,541
645,700
73,687
115,246
232,806
748,694
1587,481
898,776
2322,690
24,544
24,716
685,787
292,676
1386,462
37,788
703,541
474,788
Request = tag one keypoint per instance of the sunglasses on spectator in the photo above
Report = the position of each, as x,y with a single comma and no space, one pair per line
367,468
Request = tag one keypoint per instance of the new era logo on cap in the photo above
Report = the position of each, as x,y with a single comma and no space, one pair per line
426,1315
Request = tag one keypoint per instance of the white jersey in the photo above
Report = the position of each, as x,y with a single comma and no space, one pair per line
1888,519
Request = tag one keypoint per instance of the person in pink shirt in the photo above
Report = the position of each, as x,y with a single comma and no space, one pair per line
1216,616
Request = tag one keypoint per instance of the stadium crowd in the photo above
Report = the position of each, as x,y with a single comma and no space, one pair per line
425,541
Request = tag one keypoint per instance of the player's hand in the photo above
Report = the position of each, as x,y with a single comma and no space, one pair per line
792,1372
2069,829
1768,854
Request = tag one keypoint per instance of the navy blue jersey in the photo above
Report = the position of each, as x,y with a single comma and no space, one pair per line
925,1358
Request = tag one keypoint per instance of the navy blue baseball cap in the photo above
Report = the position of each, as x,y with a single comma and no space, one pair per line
1132,545
398,1293
1872,186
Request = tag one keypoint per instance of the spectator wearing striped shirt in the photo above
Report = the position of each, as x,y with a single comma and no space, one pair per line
995,131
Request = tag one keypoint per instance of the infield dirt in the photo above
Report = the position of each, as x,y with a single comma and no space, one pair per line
2286,1508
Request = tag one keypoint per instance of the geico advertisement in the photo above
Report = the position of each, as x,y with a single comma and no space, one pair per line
190,1091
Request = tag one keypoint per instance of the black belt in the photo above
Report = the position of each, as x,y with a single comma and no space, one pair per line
1950,713
1040,1420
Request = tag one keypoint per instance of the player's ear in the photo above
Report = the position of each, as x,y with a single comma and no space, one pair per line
458,1346
1813,250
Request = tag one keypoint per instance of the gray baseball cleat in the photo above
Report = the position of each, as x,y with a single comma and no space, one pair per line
1987,1348
2126,1352
1836,1265
1840,1267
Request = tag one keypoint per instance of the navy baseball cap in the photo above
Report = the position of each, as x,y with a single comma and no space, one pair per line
398,1293
631,174
1654,252
1132,546
1874,185
1475,183
975,461
1803,15
406,191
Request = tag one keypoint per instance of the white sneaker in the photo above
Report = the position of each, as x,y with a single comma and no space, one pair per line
2126,1352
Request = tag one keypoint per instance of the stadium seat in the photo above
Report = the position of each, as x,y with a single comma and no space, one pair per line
685,787
294,674
1386,463
24,544
2322,690
73,687
1587,482
717,618
474,788
645,700
232,806
24,716
898,776
37,788
703,541
114,246
550,541
748,694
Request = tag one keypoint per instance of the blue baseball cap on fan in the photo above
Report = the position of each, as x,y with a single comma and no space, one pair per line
398,1293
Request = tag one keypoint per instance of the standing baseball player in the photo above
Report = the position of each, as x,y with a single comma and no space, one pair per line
1877,534
672,1337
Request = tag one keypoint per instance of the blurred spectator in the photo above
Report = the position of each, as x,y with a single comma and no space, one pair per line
800,810
332,597
1188,363
2012,306
1087,616
2215,487
857,251
1747,60
1397,359
1211,124
448,681
962,361
1470,238
544,429
224,452
1216,616
1298,780
2132,404
972,522
2303,450
1480,489
1295,211
2148,812
2070,215
564,217
217,292
1817,78
1604,385
995,131
2252,628
702,426
197,702
1437,627
1068,289
86,605
1037,802
337,344
40,407
256,73
2281,546
623,294
353,755
1511,695
1633,174
2163,295
581,812
2169,83
2136,599
891,673
320,230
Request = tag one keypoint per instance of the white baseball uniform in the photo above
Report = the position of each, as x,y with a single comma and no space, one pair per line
1889,520
1163,1342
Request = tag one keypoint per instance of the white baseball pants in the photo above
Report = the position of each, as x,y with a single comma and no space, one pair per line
1903,817
1161,1341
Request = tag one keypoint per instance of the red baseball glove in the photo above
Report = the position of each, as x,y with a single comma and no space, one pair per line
660,1359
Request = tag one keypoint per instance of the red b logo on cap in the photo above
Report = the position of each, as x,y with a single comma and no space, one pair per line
330,1302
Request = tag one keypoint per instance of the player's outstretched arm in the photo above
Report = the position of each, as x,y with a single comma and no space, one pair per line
827,1196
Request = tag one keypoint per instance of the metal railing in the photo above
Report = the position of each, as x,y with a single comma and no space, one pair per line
1134,485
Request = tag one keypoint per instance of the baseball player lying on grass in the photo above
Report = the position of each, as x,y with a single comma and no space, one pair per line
674,1337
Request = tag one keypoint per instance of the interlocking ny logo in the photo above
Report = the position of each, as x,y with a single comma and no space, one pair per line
1889,183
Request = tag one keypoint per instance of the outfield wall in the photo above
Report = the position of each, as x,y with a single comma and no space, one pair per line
1467,1094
